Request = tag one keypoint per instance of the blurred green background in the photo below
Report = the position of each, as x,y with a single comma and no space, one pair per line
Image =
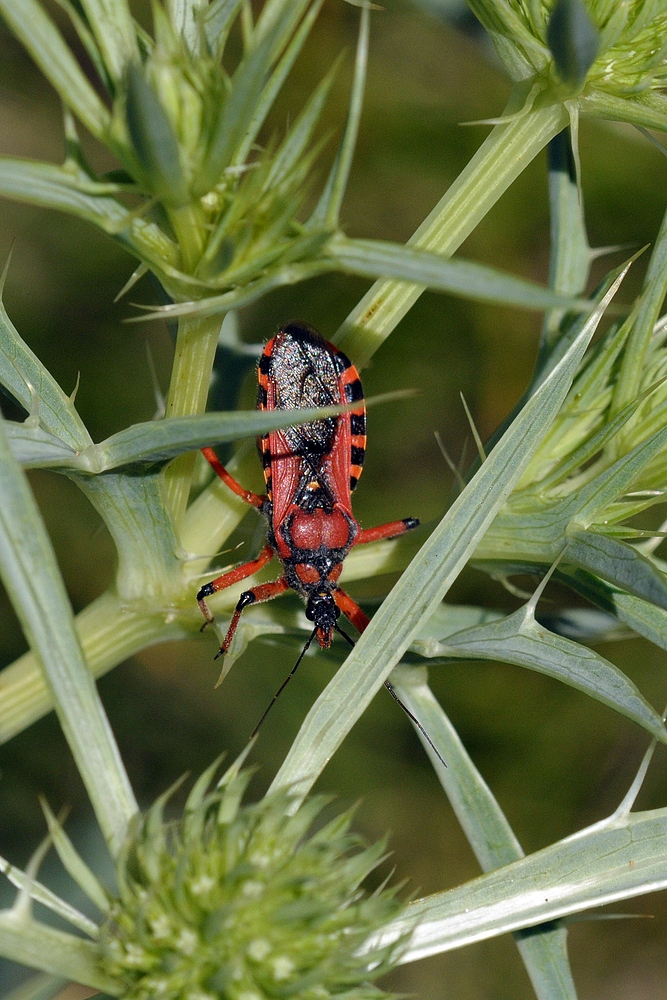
556,760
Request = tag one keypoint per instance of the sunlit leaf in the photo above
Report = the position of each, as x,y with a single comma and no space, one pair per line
616,859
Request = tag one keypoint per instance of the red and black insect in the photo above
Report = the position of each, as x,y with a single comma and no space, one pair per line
310,473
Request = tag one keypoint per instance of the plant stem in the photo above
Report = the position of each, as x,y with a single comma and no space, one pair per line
188,392
108,634
500,159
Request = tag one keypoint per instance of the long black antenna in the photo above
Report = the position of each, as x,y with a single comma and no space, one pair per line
404,707
285,683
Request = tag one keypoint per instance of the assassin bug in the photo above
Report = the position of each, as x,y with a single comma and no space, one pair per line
310,473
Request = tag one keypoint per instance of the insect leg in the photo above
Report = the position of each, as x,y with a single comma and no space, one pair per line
229,578
351,610
264,592
390,530
255,499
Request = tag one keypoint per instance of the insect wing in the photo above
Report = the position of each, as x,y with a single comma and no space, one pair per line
298,370
344,464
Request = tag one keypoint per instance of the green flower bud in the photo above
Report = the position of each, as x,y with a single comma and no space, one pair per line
238,902
153,141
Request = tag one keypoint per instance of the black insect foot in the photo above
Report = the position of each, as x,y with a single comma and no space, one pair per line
221,652
206,591
410,523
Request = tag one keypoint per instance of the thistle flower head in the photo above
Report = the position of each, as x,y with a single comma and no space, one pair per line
615,47
236,901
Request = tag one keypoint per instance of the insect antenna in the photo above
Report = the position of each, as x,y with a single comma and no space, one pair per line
416,722
344,634
285,683
404,707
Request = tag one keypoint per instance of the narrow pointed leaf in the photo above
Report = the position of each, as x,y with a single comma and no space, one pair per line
185,16
216,19
510,35
491,837
653,295
645,618
569,257
31,385
74,863
49,186
35,29
238,110
327,210
88,41
428,578
618,563
160,440
49,950
371,258
521,640
616,480
648,110
111,23
30,573
47,898
299,136
275,82
612,860
37,449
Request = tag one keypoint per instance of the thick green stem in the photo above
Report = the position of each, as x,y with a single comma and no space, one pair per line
188,392
188,223
500,159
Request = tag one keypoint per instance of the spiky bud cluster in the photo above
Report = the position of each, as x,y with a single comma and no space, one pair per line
615,47
236,901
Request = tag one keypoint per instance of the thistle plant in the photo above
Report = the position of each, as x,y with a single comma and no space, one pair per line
235,900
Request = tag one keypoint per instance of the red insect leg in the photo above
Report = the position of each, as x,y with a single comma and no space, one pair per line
264,592
228,579
351,610
255,499
390,530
